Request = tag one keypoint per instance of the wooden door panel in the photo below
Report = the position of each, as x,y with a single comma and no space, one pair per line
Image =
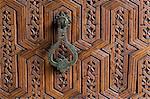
11,71
111,37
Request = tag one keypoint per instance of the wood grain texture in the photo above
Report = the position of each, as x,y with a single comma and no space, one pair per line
112,38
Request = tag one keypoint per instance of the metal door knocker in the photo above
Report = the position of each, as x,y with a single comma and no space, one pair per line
62,54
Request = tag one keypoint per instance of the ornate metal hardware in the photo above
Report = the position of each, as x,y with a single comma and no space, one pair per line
62,54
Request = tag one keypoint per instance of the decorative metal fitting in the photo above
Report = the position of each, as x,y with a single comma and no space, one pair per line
62,54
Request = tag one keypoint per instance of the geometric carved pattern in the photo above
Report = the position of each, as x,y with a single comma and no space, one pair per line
117,22
145,20
35,77
146,78
141,74
143,79
33,34
119,48
8,49
34,9
90,77
11,81
34,20
91,74
91,21
62,81
112,38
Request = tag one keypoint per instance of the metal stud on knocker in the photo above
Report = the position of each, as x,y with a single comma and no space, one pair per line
62,54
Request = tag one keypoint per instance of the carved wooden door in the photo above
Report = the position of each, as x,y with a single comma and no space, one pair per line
112,38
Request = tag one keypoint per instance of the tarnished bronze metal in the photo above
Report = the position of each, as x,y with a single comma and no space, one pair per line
62,54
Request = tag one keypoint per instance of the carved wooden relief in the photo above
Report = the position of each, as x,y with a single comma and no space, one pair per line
145,21
112,38
144,77
91,18
34,28
8,49
63,81
119,47
10,68
35,77
90,77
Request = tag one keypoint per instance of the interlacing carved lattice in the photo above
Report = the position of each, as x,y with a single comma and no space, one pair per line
91,18
34,19
7,49
35,75
91,80
112,38
146,78
62,80
145,25
119,48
